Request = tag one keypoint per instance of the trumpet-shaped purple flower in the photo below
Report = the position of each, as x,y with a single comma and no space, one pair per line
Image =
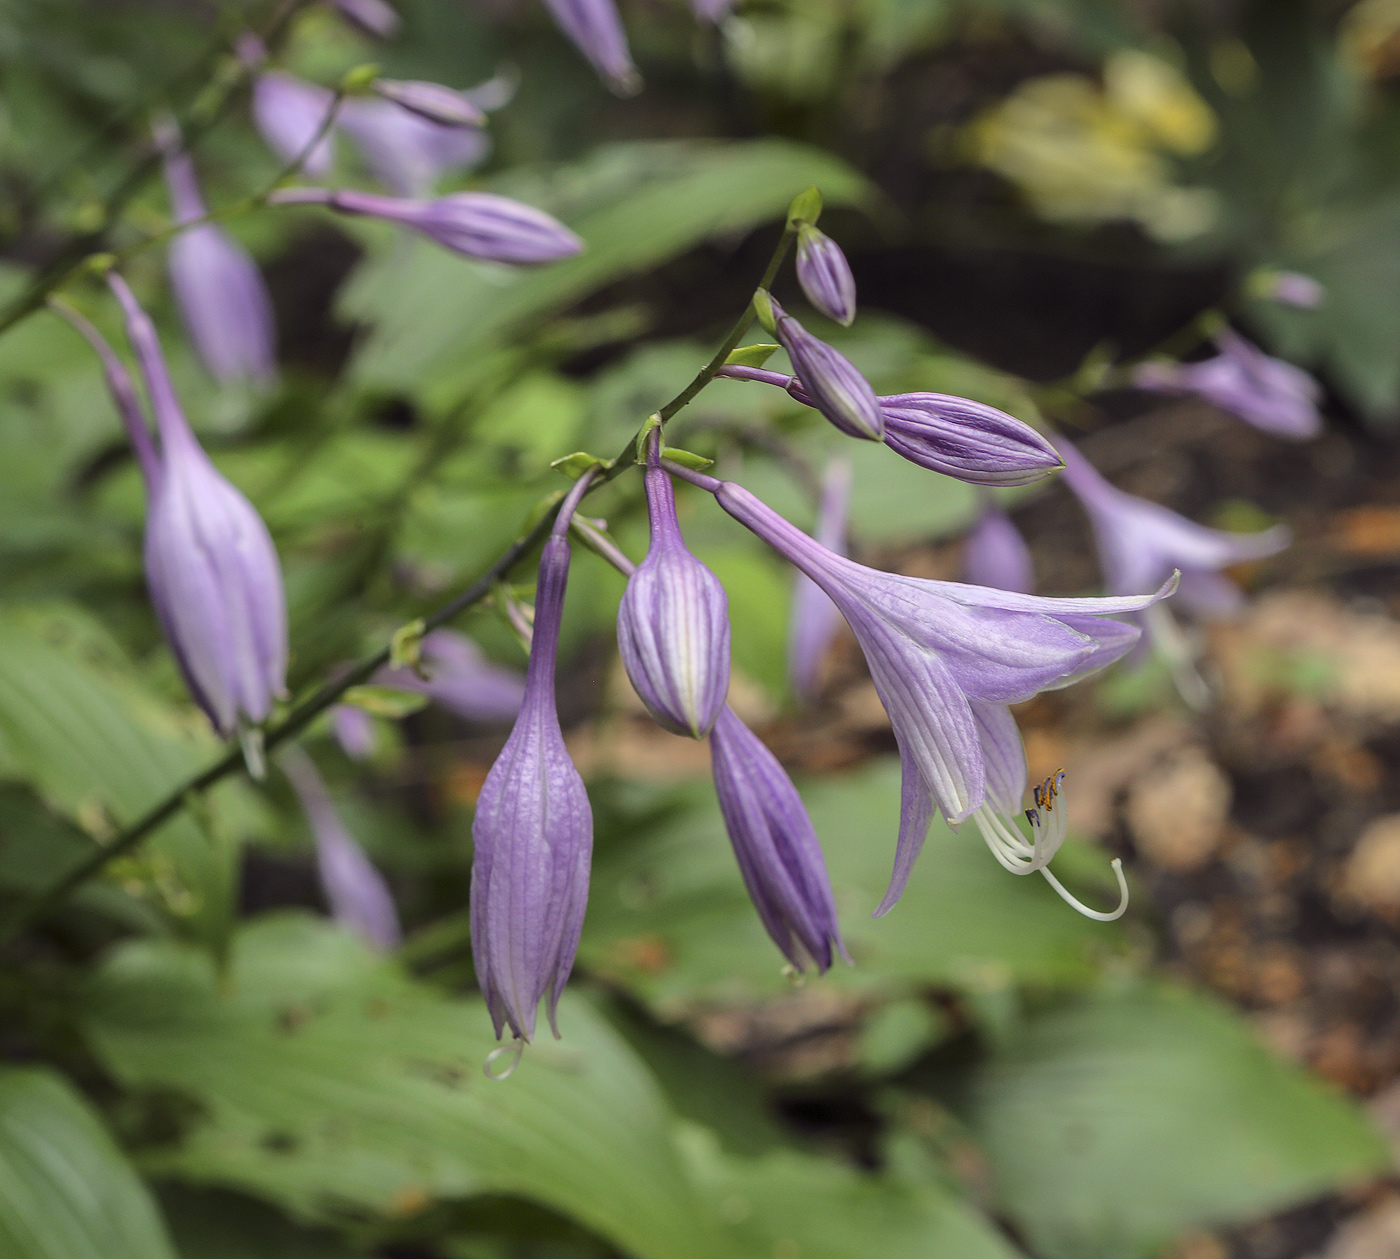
943,656
289,113
533,831
405,152
815,619
673,624
478,224
461,679
220,291
995,554
374,17
775,844
596,31
432,101
1141,543
1263,391
212,569
358,896
830,381
825,275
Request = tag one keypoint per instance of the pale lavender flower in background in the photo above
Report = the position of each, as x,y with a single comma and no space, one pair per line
713,11
354,731
825,275
374,17
596,30
288,113
1293,288
1261,390
404,151
815,619
673,623
461,679
995,554
775,845
829,380
946,659
533,831
478,224
358,896
218,287
432,101
213,572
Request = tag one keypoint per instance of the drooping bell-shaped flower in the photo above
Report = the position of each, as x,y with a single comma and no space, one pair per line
829,380
406,152
358,896
825,275
461,679
478,224
1141,543
218,287
942,655
815,619
775,845
673,623
289,114
995,554
533,831
374,17
1261,390
596,31
213,572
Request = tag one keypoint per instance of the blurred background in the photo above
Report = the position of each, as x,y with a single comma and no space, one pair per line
199,1063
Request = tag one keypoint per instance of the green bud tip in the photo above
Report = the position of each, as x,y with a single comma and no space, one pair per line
806,208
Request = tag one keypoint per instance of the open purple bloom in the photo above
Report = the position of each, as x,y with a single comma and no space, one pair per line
775,844
1141,543
825,275
407,153
374,17
596,30
212,569
461,679
829,380
673,624
289,112
533,831
219,289
478,224
358,896
995,554
1264,391
945,659
815,619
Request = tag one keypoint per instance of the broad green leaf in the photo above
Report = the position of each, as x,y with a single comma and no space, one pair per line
66,1191
1119,1122
213,1224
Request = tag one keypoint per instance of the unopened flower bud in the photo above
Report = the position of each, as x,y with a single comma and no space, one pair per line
825,275
995,554
432,101
830,380
596,31
967,440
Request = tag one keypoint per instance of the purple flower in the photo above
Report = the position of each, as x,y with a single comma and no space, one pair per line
711,10
354,731
945,657
210,563
825,275
374,17
533,831
289,112
478,224
829,380
775,844
815,619
596,30
359,898
1141,543
673,624
220,292
1292,288
461,679
432,102
1267,392
995,554
404,151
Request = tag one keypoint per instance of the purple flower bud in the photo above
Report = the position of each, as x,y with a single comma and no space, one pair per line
1292,288
461,679
830,381
478,224
431,101
996,555
219,289
210,563
596,30
374,17
967,440
775,844
533,831
825,275
815,619
1267,392
354,731
405,152
289,112
673,624
359,898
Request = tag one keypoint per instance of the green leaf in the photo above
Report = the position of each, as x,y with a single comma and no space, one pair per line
1120,1122
385,701
66,1191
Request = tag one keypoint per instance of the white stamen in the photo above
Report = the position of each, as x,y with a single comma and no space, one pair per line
515,1049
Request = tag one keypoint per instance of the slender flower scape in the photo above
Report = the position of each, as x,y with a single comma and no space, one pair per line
533,831
946,660
220,291
995,554
673,624
461,679
596,30
775,845
1267,392
210,563
358,896
829,380
825,275
478,224
815,618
